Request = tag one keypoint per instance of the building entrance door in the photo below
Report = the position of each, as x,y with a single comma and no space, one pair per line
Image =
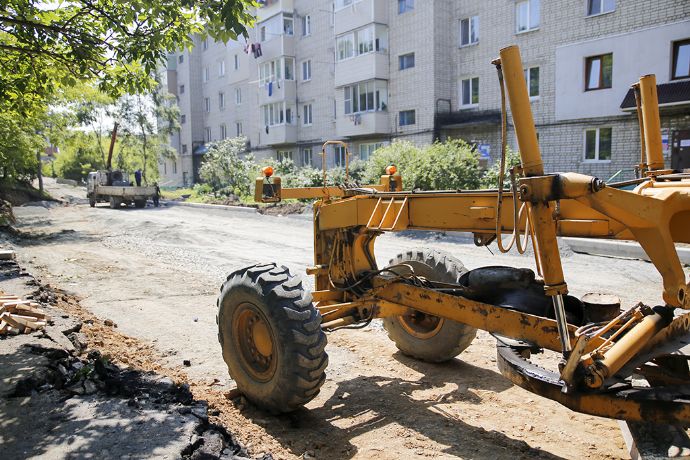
680,149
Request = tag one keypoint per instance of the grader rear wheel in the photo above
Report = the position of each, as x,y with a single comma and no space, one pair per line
419,335
271,337
115,203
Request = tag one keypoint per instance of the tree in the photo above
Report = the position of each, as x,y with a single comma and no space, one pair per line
226,166
47,45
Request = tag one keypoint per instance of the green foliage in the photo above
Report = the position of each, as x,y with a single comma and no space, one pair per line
48,45
226,168
19,143
78,156
490,179
446,165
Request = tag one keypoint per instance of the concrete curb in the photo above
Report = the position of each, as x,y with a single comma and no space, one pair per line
617,248
216,207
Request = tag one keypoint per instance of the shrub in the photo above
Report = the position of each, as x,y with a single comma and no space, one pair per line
490,179
226,167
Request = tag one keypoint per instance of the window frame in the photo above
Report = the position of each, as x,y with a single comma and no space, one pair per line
339,155
470,28
590,14
405,6
407,122
207,74
307,152
675,48
238,96
282,155
209,134
528,79
405,58
306,65
530,26
221,100
237,62
221,68
588,68
223,131
471,92
207,104
369,151
307,114
378,96
238,128
306,25
597,145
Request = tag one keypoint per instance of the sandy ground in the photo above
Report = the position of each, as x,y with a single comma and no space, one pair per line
156,273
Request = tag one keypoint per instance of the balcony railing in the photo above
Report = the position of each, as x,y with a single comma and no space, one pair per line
362,124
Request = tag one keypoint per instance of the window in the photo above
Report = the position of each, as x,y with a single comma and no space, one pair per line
306,115
184,148
345,46
307,159
221,101
180,59
527,15
598,144
288,28
405,5
407,117
181,89
339,4
469,31
221,69
207,73
238,96
598,72
406,61
262,33
306,70
340,155
532,79
174,165
237,62
238,128
208,134
367,150
362,41
365,40
223,132
469,92
165,167
289,68
600,6
207,104
306,25
284,155
183,119
276,114
366,97
274,70
204,44
681,59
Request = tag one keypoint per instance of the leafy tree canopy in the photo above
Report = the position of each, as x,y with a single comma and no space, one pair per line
46,45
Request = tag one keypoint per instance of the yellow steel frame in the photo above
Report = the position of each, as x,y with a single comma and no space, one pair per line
656,214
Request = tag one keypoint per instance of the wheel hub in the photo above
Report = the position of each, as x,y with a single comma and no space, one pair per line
421,325
254,339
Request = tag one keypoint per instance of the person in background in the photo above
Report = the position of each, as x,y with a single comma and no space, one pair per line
137,177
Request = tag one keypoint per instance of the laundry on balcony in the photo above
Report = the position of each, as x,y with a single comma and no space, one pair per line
254,49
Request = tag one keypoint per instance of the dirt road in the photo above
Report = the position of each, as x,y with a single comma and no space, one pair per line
156,273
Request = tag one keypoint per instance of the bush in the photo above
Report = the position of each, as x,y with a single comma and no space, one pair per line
440,166
227,168
490,179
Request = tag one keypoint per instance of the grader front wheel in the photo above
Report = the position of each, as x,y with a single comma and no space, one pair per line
271,337
419,335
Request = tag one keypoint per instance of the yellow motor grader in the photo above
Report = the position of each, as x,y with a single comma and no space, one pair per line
622,363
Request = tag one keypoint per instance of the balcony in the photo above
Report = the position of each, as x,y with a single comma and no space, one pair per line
362,124
273,7
278,135
368,66
284,90
360,13
280,45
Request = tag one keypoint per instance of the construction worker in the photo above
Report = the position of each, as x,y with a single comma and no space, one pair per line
137,177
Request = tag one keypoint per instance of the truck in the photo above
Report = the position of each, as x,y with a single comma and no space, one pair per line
114,186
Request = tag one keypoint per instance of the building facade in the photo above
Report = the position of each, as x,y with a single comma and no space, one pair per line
372,71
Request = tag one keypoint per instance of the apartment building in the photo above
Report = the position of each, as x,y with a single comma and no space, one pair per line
371,71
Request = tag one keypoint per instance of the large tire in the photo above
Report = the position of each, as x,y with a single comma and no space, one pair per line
115,203
271,337
92,201
139,204
427,337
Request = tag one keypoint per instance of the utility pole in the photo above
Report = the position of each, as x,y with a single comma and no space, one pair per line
40,173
